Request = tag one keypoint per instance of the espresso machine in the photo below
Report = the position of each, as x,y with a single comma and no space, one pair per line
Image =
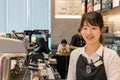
12,54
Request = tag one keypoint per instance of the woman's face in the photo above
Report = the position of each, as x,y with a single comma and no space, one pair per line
64,44
91,34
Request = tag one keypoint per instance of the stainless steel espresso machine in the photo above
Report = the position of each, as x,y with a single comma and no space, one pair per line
19,61
12,54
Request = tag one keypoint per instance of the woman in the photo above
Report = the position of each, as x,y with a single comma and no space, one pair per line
63,47
63,58
93,61
76,41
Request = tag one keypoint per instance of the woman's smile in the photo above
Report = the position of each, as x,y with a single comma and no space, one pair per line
89,37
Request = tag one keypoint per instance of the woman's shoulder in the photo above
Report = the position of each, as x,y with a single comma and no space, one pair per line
60,45
75,36
108,50
67,44
75,54
77,51
110,53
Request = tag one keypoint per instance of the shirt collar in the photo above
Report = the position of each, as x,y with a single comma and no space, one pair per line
98,52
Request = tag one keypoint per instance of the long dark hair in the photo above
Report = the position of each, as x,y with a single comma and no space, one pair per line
95,19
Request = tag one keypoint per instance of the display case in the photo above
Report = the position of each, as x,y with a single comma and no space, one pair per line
116,3
112,41
83,7
87,6
106,5
90,5
97,5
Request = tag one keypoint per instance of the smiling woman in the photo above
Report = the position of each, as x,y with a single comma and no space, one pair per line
92,23
93,61
89,33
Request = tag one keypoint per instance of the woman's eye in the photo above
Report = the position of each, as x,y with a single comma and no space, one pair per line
93,28
84,28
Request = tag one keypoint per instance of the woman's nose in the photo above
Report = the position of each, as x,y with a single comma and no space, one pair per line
89,31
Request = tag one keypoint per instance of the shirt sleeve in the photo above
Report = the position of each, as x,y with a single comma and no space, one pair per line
59,48
68,48
71,70
113,72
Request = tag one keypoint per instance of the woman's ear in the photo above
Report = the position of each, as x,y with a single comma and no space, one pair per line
80,34
103,30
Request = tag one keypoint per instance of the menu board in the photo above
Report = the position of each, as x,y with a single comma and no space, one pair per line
68,7
116,3
97,5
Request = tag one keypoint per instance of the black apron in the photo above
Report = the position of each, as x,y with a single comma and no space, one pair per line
86,71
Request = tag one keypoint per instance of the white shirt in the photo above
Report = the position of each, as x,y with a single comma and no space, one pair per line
110,58
60,47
